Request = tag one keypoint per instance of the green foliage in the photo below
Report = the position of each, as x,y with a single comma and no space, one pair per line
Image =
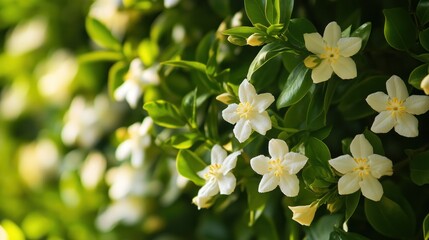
101,34
189,164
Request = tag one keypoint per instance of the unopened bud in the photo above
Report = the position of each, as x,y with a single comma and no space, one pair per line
239,41
335,206
226,98
425,84
312,61
256,39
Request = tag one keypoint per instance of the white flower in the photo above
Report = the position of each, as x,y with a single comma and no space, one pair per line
425,84
396,109
92,170
139,139
125,181
250,113
136,80
280,169
334,52
218,175
127,211
304,215
202,201
363,170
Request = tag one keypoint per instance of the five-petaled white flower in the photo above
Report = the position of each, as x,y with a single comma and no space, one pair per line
363,170
304,215
333,52
135,146
136,80
250,113
218,176
280,170
396,109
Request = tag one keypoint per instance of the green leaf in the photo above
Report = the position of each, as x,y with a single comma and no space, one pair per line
296,113
296,29
221,7
323,227
297,85
165,114
242,31
317,152
266,53
189,164
419,168
286,8
315,116
424,39
101,35
100,56
272,11
339,234
422,11
363,32
116,76
192,65
375,142
189,107
12,230
255,11
266,229
417,75
426,227
352,201
255,199
399,29
211,124
148,52
184,140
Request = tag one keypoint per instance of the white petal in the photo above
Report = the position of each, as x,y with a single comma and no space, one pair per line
121,92
407,125
262,101
124,150
322,72
378,101
246,91
227,184
360,147
294,162
396,88
209,189
332,34
261,123
289,185
230,113
345,68
349,46
218,154
260,164
348,183
133,96
277,148
380,166
145,126
137,157
203,172
343,164
383,122
314,43
417,105
242,130
230,162
268,183
150,76
371,188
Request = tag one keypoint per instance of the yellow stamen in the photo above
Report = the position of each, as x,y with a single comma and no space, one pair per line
331,54
213,171
396,106
363,167
276,167
244,110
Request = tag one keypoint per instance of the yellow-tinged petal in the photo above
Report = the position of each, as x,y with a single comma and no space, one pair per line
227,184
218,154
349,46
261,123
332,34
343,164
277,148
242,130
289,185
416,105
314,43
425,84
380,166
260,164
396,88
322,72
262,101
294,162
344,67
407,125
230,115
268,183
371,188
304,215
360,147
349,183
246,91
383,122
378,101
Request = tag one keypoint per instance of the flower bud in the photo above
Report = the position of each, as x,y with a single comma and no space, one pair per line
256,39
226,98
312,61
202,201
335,206
304,214
239,41
425,84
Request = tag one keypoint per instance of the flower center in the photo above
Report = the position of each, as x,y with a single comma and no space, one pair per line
244,110
363,168
331,54
276,167
396,106
213,171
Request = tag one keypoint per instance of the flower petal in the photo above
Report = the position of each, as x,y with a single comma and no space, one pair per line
218,154
246,91
348,183
304,215
345,68
203,172
371,188
124,150
360,147
227,183
407,125
378,101
145,126
289,185
260,164
209,189
322,72
268,183
417,105
396,88
230,115
242,130
229,163
332,34
383,122
349,46
133,95
343,164
380,166
294,162
277,148
121,92
314,43
137,157
261,123
262,101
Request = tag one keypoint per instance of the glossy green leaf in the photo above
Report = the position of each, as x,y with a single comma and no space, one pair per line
322,228
211,124
363,32
116,76
165,114
375,142
286,8
317,152
189,107
297,85
184,140
266,229
255,199
242,31
339,234
101,35
419,168
399,29
417,75
221,7
192,65
148,51
189,164
351,201
255,10
297,112
426,227
424,39
422,11
272,11
296,29
100,56
316,116
266,53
